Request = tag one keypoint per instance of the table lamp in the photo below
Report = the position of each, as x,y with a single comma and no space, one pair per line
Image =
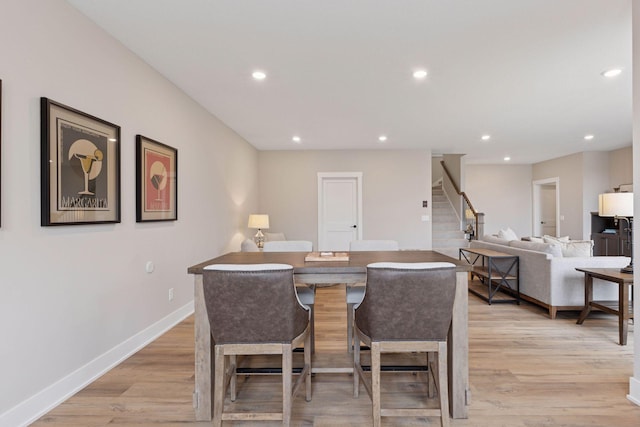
620,207
259,221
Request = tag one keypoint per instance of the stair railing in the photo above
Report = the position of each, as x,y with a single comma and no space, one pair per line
472,219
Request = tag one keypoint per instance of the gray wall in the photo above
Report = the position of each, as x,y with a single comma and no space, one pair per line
76,299
582,177
394,185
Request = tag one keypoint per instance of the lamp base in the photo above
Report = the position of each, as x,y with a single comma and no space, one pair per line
259,239
628,269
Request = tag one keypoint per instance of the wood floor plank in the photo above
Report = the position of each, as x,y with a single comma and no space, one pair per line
526,370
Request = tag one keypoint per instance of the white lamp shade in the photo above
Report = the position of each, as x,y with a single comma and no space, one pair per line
258,221
615,204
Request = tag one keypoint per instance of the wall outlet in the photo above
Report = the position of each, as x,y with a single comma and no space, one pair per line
170,294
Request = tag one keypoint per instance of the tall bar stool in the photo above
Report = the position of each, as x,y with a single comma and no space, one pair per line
407,308
355,292
306,294
253,309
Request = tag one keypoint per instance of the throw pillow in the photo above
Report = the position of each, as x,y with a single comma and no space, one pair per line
537,239
507,234
551,239
577,248
274,237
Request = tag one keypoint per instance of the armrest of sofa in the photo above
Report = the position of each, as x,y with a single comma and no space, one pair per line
567,287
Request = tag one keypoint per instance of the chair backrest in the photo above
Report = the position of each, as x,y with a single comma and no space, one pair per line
288,246
374,245
252,303
248,245
407,301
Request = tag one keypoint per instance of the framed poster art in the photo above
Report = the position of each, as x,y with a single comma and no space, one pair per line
0,152
156,181
80,167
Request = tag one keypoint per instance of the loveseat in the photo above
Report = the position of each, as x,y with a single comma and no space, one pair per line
549,279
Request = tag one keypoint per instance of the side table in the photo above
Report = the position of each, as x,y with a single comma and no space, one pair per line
620,308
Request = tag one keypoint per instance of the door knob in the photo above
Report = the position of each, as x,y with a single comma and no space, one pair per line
354,226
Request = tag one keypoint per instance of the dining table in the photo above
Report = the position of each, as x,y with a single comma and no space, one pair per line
326,272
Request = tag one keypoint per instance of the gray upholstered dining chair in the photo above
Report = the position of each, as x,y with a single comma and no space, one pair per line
306,294
253,309
355,292
407,308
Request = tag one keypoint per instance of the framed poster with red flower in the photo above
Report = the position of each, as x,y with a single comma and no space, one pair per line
156,181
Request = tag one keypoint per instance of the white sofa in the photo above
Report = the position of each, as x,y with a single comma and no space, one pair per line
549,279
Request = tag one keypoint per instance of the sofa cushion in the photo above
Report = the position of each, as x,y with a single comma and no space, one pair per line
548,248
493,239
507,234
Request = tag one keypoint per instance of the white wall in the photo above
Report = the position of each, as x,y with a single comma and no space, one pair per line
394,185
503,194
582,177
634,381
76,299
620,167
569,169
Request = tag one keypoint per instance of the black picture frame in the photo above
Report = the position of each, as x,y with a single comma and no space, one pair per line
156,181
79,167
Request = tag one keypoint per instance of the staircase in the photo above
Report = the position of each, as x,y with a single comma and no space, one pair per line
447,236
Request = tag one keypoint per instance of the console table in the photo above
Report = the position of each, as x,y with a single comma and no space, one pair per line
621,308
497,270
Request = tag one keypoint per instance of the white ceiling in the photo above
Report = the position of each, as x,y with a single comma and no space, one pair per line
339,72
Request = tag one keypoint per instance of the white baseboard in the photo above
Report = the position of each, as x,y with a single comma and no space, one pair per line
42,402
634,390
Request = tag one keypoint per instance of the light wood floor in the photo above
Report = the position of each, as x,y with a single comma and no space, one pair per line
525,370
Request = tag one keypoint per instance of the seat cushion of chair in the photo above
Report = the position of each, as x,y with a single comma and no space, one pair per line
305,295
355,294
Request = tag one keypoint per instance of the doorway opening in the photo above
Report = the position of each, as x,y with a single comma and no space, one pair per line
546,207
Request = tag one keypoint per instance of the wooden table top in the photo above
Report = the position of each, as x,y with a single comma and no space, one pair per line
357,260
611,274
488,252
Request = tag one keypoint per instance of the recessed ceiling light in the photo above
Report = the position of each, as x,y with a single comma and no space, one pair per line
296,138
485,137
507,158
613,72
259,75
420,74
382,138
588,137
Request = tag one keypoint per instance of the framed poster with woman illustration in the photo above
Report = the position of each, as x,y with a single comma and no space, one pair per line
156,181
79,167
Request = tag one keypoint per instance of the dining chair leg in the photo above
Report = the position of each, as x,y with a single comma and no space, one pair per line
356,364
443,386
307,362
431,374
312,328
350,334
287,366
233,366
375,383
218,387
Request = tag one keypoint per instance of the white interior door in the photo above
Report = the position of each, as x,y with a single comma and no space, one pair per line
339,210
546,212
